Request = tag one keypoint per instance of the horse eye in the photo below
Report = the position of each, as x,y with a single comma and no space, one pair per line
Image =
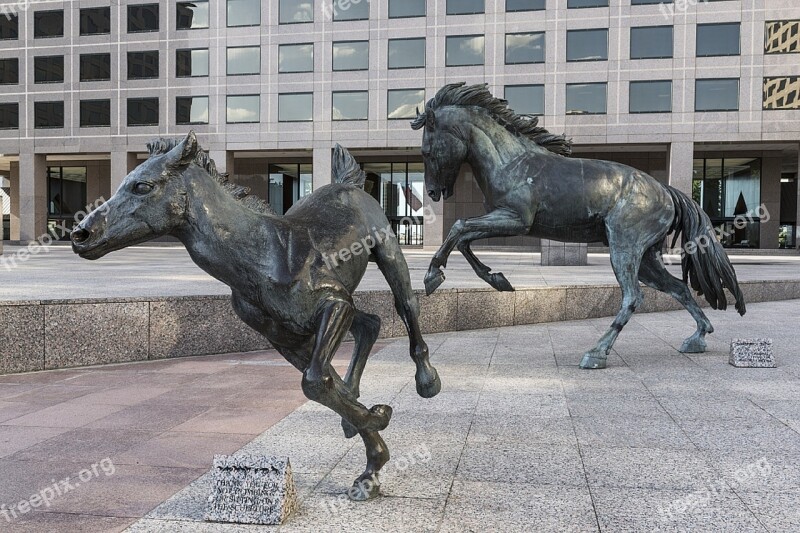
142,188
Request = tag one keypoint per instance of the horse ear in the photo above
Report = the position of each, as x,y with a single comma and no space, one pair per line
188,148
430,120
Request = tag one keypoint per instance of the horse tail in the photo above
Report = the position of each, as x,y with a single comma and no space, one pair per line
345,168
707,268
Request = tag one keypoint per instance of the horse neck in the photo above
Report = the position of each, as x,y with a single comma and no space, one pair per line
220,233
491,148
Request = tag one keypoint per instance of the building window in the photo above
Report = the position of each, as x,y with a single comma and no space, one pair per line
295,107
9,116
354,11
524,48
9,71
244,60
782,93
407,53
586,98
9,27
298,11
191,110
782,37
650,97
406,8
465,7
143,112
729,191
143,65
400,189
48,24
718,40
191,63
296,58
464,50
650,2
577,4
95,67
48,69
587,45
66,197
524,5
48,115
525,99
404,103
651,42
192,15
287,183
95,113
351,55
243,109
244,13
350,105
96,21
143,18
716,95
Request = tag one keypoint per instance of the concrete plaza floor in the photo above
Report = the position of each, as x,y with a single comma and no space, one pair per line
520,439
145,271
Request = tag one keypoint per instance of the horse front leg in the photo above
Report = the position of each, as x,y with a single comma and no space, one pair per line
498,223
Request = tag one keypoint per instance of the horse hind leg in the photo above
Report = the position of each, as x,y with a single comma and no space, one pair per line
653,274
392,265
626,268
365,329
367,485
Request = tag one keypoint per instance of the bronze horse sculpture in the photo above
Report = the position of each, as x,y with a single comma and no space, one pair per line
531,187
283,282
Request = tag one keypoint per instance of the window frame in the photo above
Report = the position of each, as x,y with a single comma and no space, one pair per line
631,83
142,99
505,8
98,54
521,85
227,108
281,23
447,40
349,41
424,52
177,4
179,50
189,122
128,64
93,100
296,93
228,59
10,105
285,45
354,91
447,10
42,12
585,113
672,42
710,24
738,95
49,102
389,11
397,90
97,8
505,48
63,69
586,30
11,60
133,6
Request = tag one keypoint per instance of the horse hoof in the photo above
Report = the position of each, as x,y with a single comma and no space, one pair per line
433,279
500,283
693,345
429,384
349,429
593,361
381,415
364,489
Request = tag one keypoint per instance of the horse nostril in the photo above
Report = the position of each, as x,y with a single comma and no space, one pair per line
432,193
80,235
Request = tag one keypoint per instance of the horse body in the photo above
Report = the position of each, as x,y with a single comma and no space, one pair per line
530,188
285,278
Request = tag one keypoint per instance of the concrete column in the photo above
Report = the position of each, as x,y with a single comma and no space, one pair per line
32,196
434,231
680,166
223,159
14,201
97,181
122,163
797,217
322,167
771,200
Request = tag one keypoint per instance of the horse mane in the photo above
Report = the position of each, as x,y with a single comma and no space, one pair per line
162,146
461,94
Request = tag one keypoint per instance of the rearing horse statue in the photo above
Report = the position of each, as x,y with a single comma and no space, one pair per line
283,271
531,187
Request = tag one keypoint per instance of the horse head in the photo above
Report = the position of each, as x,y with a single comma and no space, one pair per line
443,152
151,202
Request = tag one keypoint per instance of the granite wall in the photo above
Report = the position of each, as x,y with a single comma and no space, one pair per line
44,335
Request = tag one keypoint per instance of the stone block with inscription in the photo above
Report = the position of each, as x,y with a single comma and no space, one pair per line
251,490
752,353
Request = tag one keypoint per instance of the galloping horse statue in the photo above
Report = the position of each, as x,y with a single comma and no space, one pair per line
279,268
532,187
